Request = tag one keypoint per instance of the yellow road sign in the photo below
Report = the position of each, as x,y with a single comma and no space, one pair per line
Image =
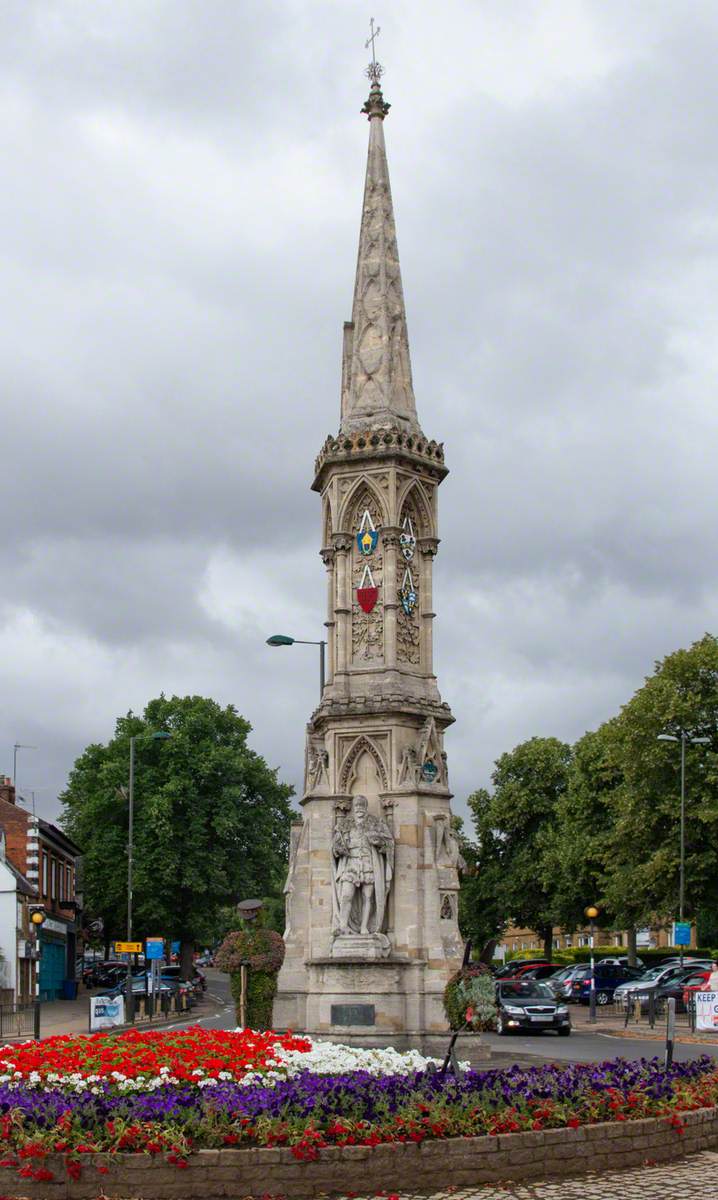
128,947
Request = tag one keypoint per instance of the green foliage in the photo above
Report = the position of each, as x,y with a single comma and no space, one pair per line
471,990
515,827
260,949
211,820
600,823
261,990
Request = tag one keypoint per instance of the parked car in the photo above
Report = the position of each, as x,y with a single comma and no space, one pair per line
523,970
697,981
509,968
105,973
654,976
570,987
529,1004
664,989
559,980
198,981
606,978
622,960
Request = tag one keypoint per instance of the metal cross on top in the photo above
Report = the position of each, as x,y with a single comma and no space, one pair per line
375,69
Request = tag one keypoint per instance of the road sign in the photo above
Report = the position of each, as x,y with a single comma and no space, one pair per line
155,948
681,933
706,1010
128,947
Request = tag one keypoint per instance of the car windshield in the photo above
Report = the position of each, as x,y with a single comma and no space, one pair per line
653,973
529,990
562,974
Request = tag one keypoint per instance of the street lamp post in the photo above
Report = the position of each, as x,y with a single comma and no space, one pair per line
160,736
281,639
592,912
695,741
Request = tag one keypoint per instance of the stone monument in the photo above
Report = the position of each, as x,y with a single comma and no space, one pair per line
372,890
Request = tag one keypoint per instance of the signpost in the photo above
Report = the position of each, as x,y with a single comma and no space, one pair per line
154,948
681,933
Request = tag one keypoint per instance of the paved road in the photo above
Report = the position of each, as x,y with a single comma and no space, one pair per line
588,1047
691,1179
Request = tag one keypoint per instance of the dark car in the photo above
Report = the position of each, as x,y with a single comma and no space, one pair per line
529,1004
106,973
605,979
510,968
524,970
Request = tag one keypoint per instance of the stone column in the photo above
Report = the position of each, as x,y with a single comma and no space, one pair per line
390,546
328,558
342,600
427,548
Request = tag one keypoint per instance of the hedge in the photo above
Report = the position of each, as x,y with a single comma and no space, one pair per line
582,954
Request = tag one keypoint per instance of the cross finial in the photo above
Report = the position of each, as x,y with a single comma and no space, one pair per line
375,69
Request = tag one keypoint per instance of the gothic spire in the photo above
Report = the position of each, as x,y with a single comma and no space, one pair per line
377,390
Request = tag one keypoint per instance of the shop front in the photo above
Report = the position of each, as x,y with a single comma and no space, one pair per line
56,941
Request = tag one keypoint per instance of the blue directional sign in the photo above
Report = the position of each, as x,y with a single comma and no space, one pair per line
682,932
154,948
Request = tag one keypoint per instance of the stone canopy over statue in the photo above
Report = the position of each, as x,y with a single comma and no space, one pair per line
363,859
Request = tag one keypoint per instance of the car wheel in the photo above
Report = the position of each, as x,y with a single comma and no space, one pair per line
602,997
564,1031
501,1026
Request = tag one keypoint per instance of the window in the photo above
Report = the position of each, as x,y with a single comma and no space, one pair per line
53,879
44,874
68,882
60,882
568,941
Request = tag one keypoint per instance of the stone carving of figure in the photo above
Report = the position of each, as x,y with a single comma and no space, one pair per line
317,764
295,833
407,768
363,850
446,847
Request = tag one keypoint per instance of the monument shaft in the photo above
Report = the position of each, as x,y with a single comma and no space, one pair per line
372,889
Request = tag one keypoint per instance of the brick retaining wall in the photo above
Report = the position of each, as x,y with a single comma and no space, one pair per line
237,1174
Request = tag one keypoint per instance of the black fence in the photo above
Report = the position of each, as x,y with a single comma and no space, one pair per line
20,1020
650,1013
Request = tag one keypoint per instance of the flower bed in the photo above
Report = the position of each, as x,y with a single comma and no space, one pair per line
171,1094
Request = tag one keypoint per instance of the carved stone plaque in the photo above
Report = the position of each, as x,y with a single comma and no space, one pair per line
353,1014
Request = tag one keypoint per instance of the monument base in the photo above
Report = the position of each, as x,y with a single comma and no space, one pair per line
362,947
386,1002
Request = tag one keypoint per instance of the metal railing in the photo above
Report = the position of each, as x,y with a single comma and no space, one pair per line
20,1020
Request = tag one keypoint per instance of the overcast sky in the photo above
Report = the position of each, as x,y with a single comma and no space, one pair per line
180,201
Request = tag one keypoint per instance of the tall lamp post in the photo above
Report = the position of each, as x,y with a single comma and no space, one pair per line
281,639
683,738
160,736
592,912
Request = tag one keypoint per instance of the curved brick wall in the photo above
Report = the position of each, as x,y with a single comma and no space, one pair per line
236,1174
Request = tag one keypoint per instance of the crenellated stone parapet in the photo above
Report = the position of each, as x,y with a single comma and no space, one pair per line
380,444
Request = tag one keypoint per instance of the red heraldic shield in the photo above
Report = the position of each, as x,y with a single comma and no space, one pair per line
367,597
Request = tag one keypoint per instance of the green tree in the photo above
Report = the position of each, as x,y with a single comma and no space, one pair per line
574,863
641,868
515,830
211,820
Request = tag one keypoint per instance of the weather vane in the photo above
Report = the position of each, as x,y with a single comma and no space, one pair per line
375,70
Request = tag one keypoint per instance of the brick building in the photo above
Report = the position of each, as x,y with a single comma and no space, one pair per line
657,936
48,860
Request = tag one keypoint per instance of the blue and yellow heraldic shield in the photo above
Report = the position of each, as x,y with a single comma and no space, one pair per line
367,540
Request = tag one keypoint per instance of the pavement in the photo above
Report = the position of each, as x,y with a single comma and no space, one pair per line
214,1010
686,1179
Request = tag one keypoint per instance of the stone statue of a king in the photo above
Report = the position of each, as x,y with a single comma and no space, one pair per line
363,853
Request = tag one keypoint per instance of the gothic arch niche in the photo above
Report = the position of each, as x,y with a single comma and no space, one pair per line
413,523
327,523
414,501
363,771
365,512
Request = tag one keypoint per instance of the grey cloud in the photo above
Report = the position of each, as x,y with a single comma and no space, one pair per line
180,203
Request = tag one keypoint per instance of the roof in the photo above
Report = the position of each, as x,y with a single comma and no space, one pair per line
51,833
23,885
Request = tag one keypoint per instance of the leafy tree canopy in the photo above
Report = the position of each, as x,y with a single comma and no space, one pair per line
211,820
